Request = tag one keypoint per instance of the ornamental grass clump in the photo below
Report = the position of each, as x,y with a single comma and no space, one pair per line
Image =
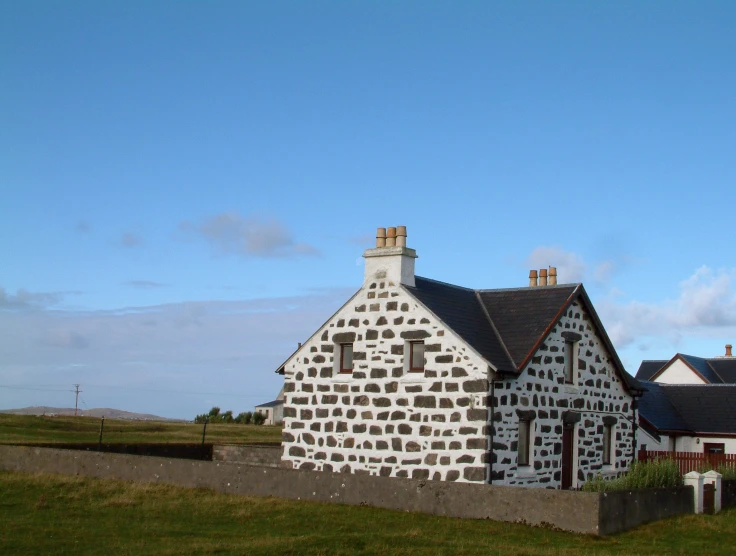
660,473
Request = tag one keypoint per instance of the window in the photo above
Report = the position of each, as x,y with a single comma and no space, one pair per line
346,358
524,442
571,358
416,356
607,444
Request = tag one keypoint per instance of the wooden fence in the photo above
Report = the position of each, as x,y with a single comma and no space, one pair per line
690,461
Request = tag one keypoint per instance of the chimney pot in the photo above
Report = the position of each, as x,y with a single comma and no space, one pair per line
543,277
391,237
532,278
728,350
401,236
552,281
381,237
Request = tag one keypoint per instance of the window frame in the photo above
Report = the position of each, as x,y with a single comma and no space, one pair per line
571,358
412,368
343,369
527,445
606,456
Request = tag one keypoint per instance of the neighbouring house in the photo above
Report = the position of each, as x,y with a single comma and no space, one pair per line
688,418
689,369
418,378
273,412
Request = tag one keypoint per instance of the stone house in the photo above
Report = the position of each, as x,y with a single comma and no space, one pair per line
418,378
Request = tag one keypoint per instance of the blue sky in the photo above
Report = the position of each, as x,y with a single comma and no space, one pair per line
187,187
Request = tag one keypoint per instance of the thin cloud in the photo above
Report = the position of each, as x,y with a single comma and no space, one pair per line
83,227
365,240
24,299
130,240
144,284
705,307
248,236
570,266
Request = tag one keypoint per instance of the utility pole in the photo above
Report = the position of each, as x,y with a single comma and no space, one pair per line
76,398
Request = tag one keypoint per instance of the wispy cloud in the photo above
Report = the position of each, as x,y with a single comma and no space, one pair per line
24,299
144,284
248,236
570,266
365,240
705,307
130,240
83,227
233,347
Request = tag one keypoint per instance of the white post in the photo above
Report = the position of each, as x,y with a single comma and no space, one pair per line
695,480
715,478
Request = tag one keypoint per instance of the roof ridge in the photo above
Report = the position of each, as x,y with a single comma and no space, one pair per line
444,283
521,288
495,330
707,362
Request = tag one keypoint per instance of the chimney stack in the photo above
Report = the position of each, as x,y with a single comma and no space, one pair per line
728,350
543,277
552,276
381,237
391,260
532,278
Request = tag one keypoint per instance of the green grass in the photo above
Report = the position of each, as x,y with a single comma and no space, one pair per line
25,429
52,514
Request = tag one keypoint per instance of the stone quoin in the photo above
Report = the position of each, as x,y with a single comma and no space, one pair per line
421,379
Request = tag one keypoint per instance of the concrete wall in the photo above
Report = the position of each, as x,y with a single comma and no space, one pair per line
623,510
263,455
578,512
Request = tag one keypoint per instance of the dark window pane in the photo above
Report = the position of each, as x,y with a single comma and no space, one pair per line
346,357
417,356
523,442
606,444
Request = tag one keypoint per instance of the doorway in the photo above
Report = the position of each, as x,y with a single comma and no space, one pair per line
568,455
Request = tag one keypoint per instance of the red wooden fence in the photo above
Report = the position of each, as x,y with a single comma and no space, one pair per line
690,461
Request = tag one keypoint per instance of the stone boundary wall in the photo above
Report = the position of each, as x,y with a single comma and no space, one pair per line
248,454
625,509
578,512
728,493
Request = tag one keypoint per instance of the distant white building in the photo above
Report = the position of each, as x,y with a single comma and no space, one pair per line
273,411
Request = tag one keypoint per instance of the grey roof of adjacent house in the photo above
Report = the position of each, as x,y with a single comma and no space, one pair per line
506,326
715,370
271,404
690,408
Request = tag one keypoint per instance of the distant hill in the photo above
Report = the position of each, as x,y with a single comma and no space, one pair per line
97,412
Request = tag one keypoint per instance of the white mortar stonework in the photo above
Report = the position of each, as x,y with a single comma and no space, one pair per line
598,392
383,420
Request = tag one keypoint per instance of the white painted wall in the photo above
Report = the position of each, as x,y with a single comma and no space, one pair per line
679,373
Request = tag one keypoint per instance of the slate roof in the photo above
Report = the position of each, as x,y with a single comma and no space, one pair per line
505,326
694,408
649,368
271,404
716,370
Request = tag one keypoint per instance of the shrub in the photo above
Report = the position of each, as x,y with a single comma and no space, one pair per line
244,418
258,418
661,473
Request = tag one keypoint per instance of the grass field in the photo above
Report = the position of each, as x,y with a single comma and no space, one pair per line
45,514
20,429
